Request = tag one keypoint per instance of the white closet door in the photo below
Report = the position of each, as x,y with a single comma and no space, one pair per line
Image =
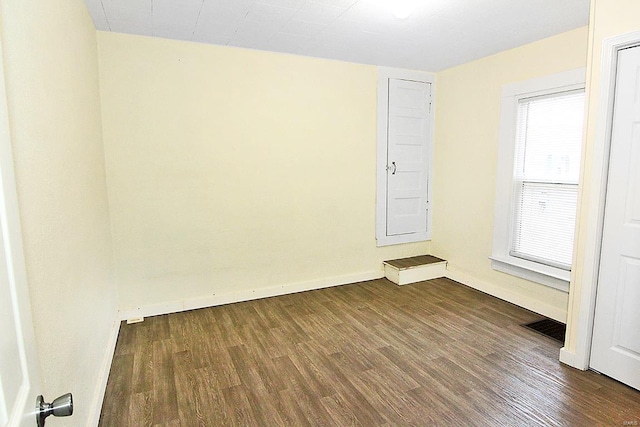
407,156
616,337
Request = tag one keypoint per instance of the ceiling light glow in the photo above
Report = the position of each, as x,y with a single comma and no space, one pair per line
402,9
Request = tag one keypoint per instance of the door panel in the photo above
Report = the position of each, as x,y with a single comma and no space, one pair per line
407,156
627,332
19,379
616,337
9,344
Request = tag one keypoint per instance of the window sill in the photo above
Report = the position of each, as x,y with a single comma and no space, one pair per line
548,276
402,238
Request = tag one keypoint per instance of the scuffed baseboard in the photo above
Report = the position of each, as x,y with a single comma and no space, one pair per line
228,298
252,294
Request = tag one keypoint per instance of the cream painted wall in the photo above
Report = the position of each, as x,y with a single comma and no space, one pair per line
51,70
232,171
467,127
609,18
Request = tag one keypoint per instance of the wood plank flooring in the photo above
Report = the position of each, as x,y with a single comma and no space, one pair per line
368,354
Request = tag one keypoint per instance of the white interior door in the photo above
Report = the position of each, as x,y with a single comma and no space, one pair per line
407,156
615,347
18,364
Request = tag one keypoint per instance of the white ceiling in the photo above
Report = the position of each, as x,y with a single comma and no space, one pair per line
438,35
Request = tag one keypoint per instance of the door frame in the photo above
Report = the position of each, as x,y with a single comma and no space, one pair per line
384,74
584,302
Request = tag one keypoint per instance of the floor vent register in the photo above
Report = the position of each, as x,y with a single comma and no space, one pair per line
548,327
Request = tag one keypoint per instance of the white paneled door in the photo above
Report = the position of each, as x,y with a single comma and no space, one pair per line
615,347
18,365
407,156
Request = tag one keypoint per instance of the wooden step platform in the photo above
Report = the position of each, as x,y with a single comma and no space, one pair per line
404,271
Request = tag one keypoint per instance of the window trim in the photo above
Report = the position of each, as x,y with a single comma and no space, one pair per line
501,260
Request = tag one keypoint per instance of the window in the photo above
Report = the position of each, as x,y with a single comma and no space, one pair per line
537,181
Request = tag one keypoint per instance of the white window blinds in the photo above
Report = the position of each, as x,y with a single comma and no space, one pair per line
547,164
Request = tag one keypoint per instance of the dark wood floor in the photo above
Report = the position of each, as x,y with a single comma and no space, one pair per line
368,354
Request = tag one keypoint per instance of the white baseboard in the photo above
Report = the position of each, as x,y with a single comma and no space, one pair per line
232,297
228,298
569,358
512,297
101,387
